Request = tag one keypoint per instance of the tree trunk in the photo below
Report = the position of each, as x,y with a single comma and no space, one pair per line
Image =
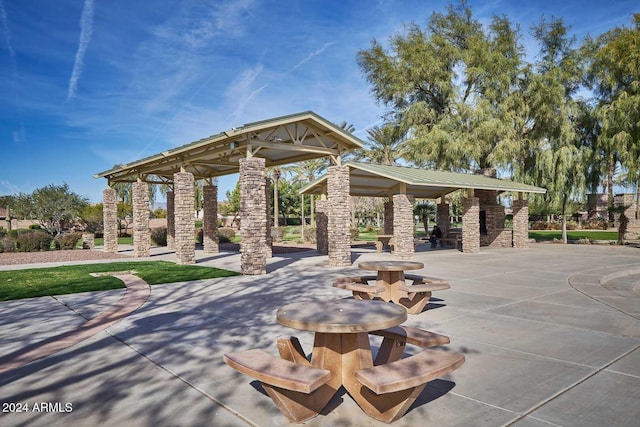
564,219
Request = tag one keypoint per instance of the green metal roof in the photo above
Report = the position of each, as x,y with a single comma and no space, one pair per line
280,140
382,180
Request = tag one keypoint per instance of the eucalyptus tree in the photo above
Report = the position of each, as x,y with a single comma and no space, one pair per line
614,75
561,156
450,86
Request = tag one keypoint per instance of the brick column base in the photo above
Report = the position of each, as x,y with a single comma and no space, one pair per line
471,225
210,219
322,237
403,226
253,211
442,218
339,218
171,221
110,220
141,235
185,223
520,224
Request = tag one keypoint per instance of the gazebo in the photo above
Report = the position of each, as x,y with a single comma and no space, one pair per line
246,150
483,217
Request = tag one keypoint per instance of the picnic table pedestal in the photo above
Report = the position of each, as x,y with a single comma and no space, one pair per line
391,276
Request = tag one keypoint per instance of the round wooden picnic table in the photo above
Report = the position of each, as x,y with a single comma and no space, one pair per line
341,343
391,276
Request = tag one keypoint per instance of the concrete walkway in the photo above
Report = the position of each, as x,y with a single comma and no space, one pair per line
551,337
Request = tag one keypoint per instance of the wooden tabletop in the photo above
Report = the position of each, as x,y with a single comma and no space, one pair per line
341,316
390,265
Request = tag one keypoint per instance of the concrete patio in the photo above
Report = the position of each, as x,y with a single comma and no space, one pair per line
551,336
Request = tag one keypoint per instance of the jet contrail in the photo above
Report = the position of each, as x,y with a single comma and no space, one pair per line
86,28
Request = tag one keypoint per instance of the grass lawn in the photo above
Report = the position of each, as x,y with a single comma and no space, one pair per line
121,241
573,234
37,282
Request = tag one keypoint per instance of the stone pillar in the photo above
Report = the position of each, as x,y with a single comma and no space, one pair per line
628,202
339,222
171,222
322,236
268,249
141,235
403,226
210,219
471,225
253,209
442,218
88,241
110,220
185,222
598,205
520,224
388,217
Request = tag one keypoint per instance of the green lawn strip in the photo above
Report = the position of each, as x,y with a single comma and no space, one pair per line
37,282
573,234
99,241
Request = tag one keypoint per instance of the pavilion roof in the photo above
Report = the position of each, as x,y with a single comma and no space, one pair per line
382,180
280,140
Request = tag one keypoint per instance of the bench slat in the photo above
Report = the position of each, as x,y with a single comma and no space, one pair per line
277,372
413,336
425,279
410,372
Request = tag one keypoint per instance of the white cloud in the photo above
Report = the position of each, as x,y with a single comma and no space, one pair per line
5,31
86,28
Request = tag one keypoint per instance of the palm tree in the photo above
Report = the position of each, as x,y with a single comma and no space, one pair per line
385,145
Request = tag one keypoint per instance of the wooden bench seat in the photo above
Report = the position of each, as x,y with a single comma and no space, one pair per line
453,240
424,279
414,336
396,338
419,293
298,390
278,372
391,389
427,287
360,287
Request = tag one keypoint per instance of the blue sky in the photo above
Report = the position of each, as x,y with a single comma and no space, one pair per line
87,84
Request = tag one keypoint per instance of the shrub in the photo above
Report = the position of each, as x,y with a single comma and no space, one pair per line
7,244
35,227
354,233
225,235
572,225
33,242
66,241
596,224
309,234
538,225
159,236
277,234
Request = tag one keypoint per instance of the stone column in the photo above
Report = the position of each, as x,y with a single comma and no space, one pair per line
339,221
322,236
403,226
185,222
268,249
520,224
442,218
110,220
388,216
253,223
210,219
141,235
471,225
171,222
